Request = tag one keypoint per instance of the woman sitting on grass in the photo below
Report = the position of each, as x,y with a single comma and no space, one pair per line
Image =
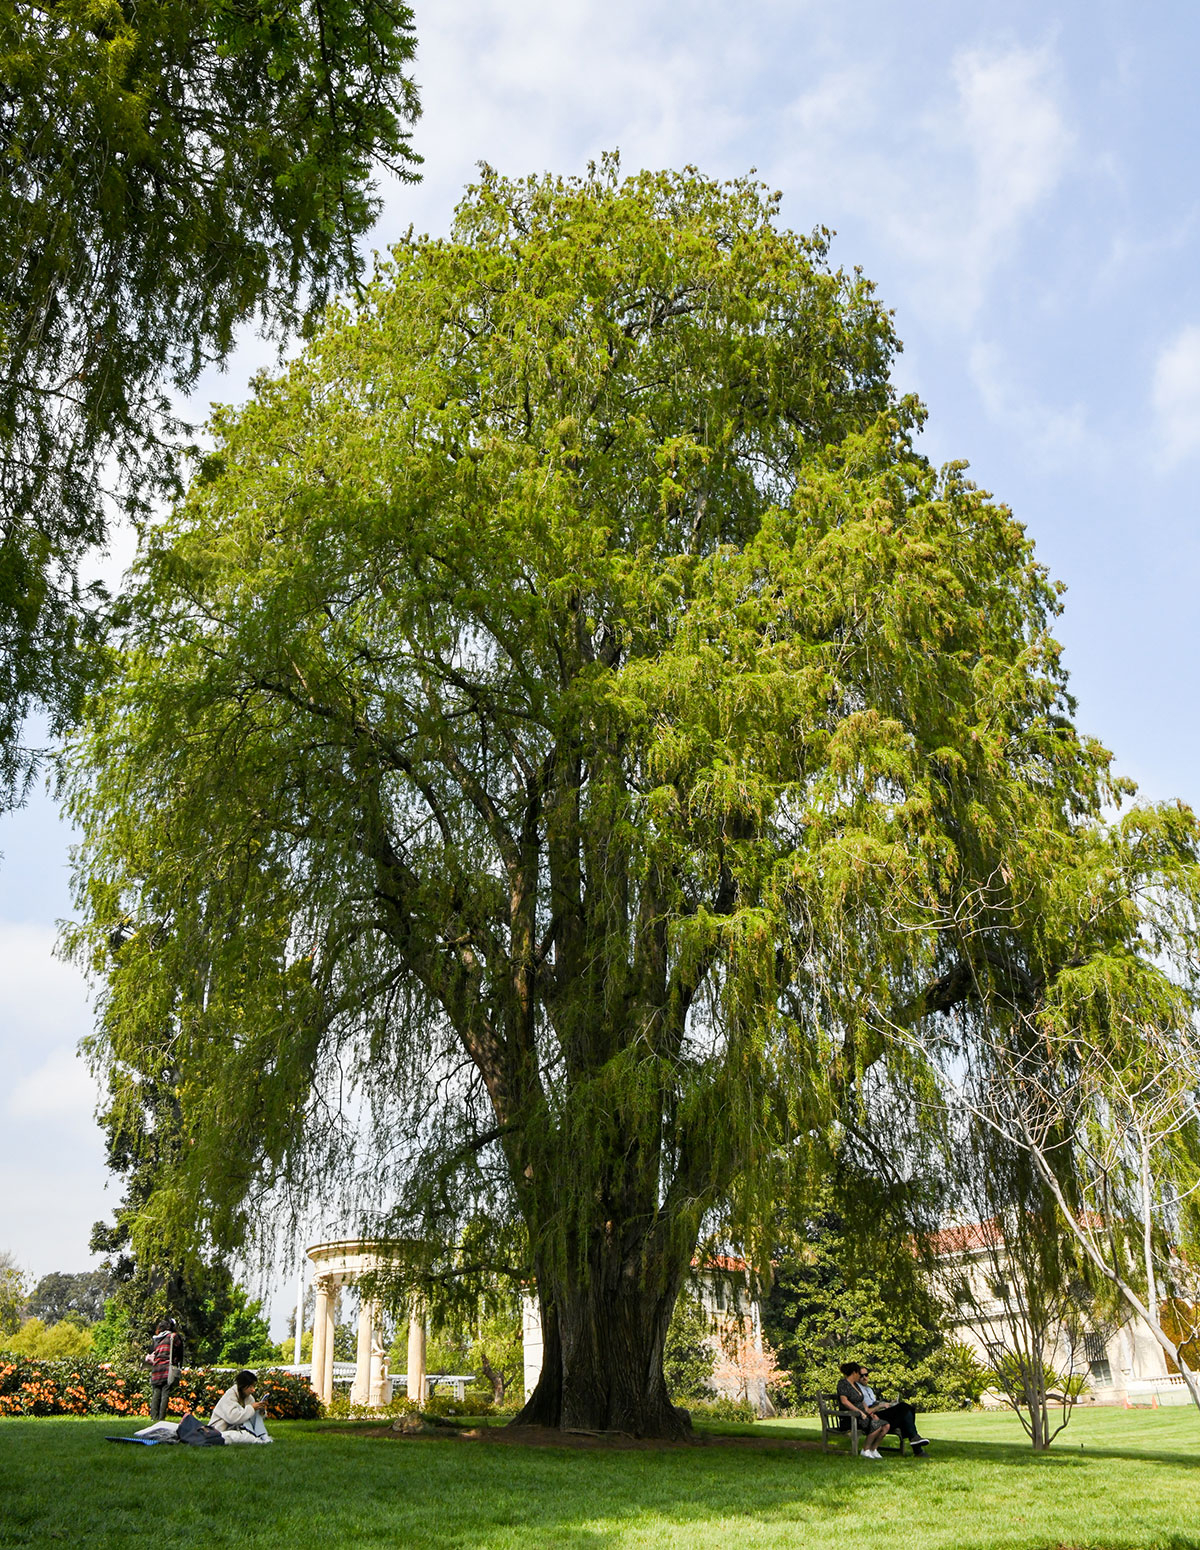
854,1403
238,1414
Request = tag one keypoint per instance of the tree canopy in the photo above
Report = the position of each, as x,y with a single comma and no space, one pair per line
564,741
64,1295
171,169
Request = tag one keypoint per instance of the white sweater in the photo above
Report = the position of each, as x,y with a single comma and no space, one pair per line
229,1410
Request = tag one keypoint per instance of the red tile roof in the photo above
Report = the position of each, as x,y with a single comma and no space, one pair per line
966,1237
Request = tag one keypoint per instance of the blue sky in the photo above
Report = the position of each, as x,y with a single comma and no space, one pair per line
1020,182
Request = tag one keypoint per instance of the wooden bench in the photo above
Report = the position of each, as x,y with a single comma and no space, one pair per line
834,1428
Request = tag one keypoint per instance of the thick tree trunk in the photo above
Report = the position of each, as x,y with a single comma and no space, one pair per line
612,1343
602,1367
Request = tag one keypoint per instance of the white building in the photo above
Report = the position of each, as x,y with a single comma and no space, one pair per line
1125,1364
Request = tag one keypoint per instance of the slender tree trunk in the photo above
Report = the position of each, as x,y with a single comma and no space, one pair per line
1152,1301
496,1379
1147,1311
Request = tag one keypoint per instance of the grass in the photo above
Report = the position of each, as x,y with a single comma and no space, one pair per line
1116,1480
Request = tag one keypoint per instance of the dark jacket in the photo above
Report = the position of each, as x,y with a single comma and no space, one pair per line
851,1391
166,1352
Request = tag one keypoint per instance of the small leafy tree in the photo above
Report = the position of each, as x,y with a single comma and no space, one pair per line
142,1143
746,1368
848,1285
245,1335
1016,1291
480,1335
50,1342
113,1338
1087,1089
1109,1122
498,1353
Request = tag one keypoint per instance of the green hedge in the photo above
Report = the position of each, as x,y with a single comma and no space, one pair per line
86,1386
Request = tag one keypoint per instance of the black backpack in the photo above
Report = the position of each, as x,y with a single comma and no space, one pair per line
199,1435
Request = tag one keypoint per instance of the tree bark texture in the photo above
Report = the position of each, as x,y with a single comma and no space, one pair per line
602,1364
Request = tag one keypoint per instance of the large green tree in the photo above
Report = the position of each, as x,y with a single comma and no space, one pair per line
63,1295
571,725
171,169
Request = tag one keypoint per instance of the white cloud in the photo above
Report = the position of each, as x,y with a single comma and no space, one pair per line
949,189
1055,436
1018,138
43,1001
51,1151
535,85
44,1013
60,1088
1176,396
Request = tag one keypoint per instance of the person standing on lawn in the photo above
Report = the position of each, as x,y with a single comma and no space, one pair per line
853,1402
899,1415
165,1361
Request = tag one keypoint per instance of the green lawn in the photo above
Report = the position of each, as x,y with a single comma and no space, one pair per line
1128,1479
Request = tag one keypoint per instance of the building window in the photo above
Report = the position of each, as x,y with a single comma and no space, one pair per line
1095,1347
1100,1372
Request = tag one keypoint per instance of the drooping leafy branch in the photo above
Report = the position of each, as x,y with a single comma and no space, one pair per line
171,169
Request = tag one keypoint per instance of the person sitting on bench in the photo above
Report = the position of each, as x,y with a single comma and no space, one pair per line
238,1414
853,1402
899,1415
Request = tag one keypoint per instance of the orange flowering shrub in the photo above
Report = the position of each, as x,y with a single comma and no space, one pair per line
88,1387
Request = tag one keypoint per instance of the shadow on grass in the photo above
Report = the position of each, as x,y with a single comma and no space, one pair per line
321,1487
1065,1450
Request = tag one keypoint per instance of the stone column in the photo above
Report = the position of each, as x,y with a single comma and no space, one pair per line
320,1335
416,1354
360,1390
330,1326
298,1356
532,1340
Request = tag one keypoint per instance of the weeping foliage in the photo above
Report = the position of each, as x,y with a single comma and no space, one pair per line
173,169
564,743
